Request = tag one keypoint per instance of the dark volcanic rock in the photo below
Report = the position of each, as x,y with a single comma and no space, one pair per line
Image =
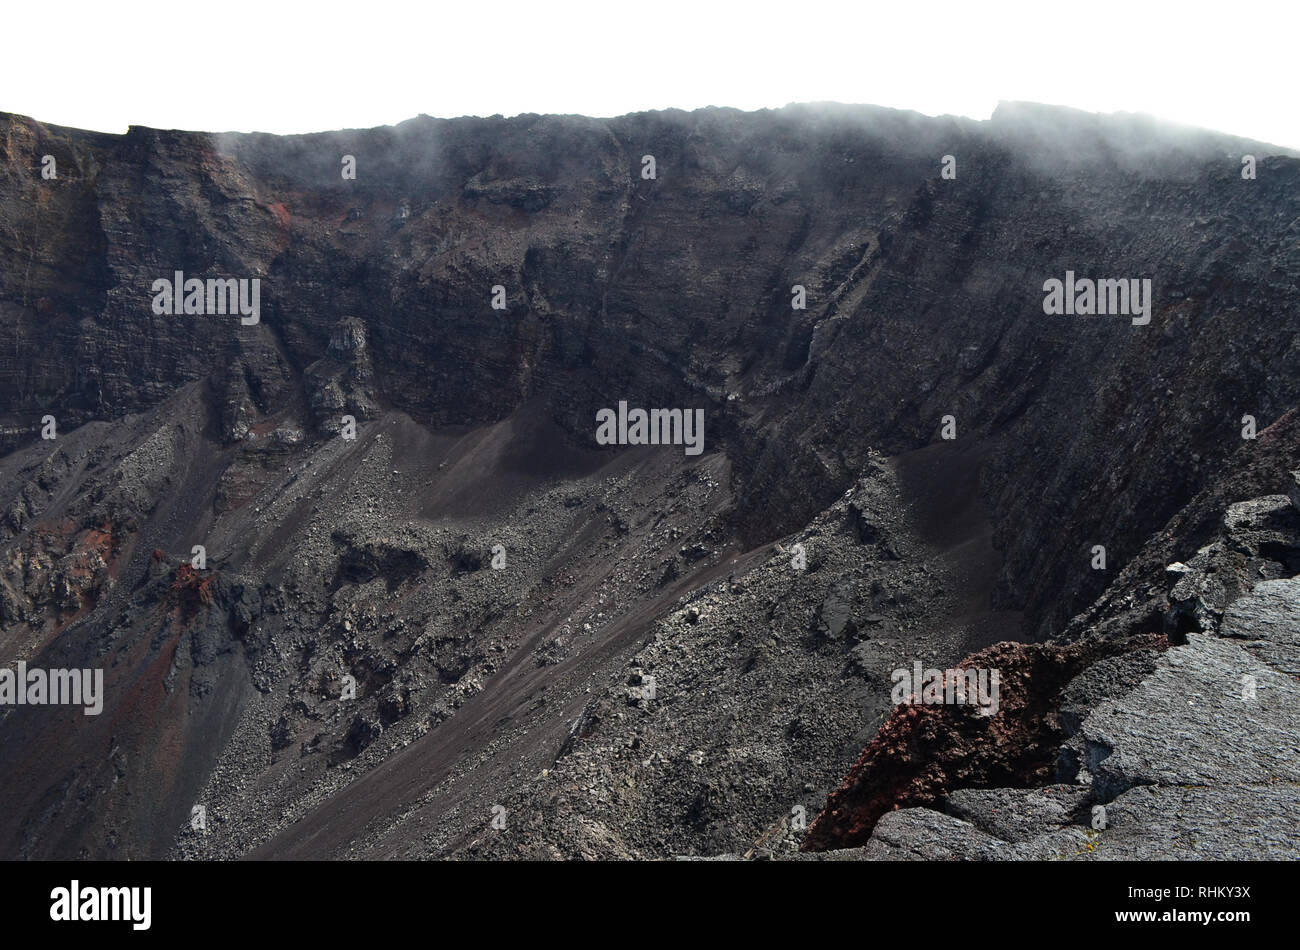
472,609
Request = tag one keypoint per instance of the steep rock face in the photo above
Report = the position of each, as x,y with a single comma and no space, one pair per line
372,557
924,294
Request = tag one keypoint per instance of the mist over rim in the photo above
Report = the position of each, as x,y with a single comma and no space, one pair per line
348,66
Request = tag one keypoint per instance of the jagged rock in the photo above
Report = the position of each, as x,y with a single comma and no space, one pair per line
1186,764
1189,724
919,834
1108,677
343,382
922,751
1220,822
1019,815
1267,623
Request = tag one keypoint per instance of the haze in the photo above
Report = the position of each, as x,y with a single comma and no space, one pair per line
244,66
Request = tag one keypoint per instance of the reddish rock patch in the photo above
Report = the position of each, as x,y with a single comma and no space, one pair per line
192,588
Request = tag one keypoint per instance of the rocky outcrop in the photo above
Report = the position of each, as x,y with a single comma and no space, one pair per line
343,382
923,751
1185,753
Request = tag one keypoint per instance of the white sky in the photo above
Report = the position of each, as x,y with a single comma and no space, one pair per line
312,65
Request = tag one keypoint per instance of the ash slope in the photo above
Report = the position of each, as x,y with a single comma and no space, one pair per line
523,692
